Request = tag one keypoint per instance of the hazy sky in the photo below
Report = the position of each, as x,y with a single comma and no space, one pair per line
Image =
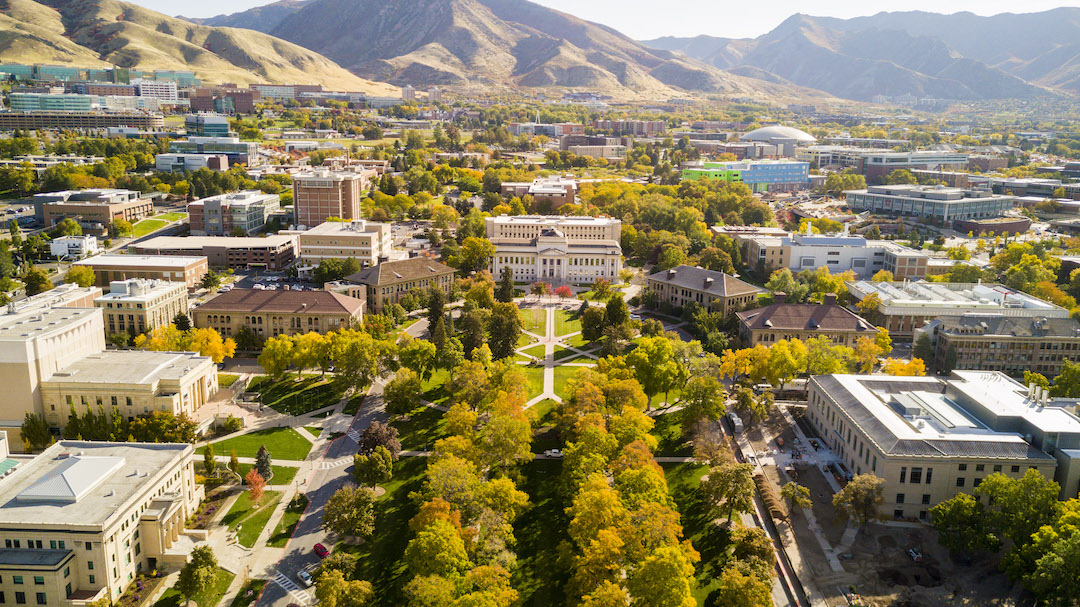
645,19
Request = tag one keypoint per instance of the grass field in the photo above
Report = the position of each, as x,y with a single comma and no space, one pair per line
709,539
283,443
354,403
534,321
538,576
249,592
146,226
668,430
210,598
536,351
577,341
424,426
535,375
225,380
294,397
564,374
314,430
173,216
283,475
545,412
566,322
434,389
285,528
562,353
248,522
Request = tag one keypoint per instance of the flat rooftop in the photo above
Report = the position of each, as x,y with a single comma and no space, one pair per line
548,220
81,495
199,242
40,322
343,228
981,296
124,261
129,367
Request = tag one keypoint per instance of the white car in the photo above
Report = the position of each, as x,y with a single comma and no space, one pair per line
554,453
305,578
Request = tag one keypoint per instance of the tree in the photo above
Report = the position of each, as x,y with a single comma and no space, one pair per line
787,359
962,526
418,355
729,488
868,305
702,398
211,280
783,281
263,463
716,259
923,348
913,367
81,275
256,484
181,321
882,276
475,254
234,462
592,323
883,340
359,357
866,354
505,291
738,588
122,227
436,305
1031,377
402,394
860,499
1067,382
198,574
601,289
35,432
540,289
67,227
825,357
209,462
664,578
504,330
378,434
373,468
616,313
437,550
350,511
654,365
1019,507
795,495
333,590
37,281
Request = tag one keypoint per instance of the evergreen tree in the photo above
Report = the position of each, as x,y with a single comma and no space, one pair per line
209,463
505,292
263,463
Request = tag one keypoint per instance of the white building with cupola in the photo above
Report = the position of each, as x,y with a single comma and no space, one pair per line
555,249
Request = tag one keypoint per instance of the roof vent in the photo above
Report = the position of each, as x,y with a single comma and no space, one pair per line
708,282
672,272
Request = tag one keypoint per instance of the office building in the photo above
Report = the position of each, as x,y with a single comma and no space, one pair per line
551,191
30,102
82,519
238,152
139,305
553,248
224,100
366,241
70,248
783,320
323,193
386,283
906,306
102,89
112,267
272,313
408,93
221,215
434,95
1012,345
207,125
41,162
941,204
94,209
930,439
875,164
837,252
550,130
709,289
50,119
759,176
179,163
636,128
165,90
269,253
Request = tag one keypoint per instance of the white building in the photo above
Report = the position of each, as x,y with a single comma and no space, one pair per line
837,252
178,163
408,93
366,241
552,248
164,90
74,247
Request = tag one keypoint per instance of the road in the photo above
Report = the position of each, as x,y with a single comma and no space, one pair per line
319,487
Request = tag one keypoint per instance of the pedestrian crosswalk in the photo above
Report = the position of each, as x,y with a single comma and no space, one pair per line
294,590
335,463
353,435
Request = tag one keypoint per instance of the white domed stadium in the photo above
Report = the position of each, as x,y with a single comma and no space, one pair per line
769,134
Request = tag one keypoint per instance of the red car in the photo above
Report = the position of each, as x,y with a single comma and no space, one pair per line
321,551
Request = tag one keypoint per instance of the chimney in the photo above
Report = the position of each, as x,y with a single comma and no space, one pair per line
830,299
779,297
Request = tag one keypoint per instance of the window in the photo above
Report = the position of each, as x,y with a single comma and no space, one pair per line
903,473
960,481
90,565
997,467
62,544
92,579
41,598
20,598
16,579
916,476
898,514
929,475
67,571
1015,469
39,580
926,498
976,482
88,545
899,498
52,544
979,467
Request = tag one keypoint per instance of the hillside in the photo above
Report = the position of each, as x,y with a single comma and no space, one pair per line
481,43
959,56
103,32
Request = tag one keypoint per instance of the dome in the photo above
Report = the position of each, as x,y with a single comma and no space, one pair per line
768,133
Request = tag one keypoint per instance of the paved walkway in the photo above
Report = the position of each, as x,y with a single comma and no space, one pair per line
551,344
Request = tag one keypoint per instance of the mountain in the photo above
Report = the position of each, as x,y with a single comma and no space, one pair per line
109,32
960,56
484,43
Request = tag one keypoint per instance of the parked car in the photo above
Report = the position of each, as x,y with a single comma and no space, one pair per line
305,578
915,555
555,453
321,551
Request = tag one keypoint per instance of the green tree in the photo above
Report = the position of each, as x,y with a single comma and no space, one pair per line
276,356
437,550
402,394
738,588
783,281
350,511
67,227
787,359
373,468
211,280
35,432
181,321
860,499
37,281
505,291
209,461
198,574
475,254
1031,377
795,495
592,323
654,365
81,275
333,590
962,525
616,313
702,398
665,578
1067,382
1019,507
263,463
825,357
728,489
504,330
418,355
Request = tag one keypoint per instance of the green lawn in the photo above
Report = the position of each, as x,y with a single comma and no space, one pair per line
524,340
710,540
283,443
146,226
285,528
538,576
668,430
577,341
225,380
564,374
424,426
528,354
294,397
562,352
534,321
248,521
210,598
283,475
354,403
566,322
545,412
173,216
249,593
380,557
434,389
535,375
314,430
